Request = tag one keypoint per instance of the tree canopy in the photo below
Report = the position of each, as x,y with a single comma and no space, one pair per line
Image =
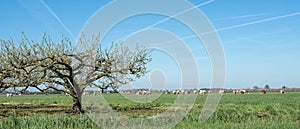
56,65
267,86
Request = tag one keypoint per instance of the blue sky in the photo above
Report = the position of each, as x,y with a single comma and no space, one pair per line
260,38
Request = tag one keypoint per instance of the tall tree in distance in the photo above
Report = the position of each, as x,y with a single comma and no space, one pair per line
55,65
256,87
267,86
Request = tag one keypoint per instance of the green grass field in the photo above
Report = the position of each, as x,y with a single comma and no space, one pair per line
272,110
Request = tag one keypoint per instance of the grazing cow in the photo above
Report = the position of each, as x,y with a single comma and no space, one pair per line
241,91
221,91
182,92
247,92
175,92
195,92
9,95
264,91
282,91
146,92
139,92
84,93
187,92
167,92
202,91
235,91
143,92
114,91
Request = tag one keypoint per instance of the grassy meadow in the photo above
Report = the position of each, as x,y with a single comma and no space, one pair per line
247,111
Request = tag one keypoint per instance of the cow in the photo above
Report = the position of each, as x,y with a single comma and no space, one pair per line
221,91
176,92
143,92
195,92
282,91
242,91
84,93
247,92
146,92
139,92
9,95
235,91
167,92
202,91
263,91
187,92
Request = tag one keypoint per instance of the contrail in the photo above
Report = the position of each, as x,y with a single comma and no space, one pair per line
259,21
238,26
58,19
169,17
258,35
66,28
161,21
238,17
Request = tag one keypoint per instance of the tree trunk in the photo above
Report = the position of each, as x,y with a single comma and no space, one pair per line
102,90
77,106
